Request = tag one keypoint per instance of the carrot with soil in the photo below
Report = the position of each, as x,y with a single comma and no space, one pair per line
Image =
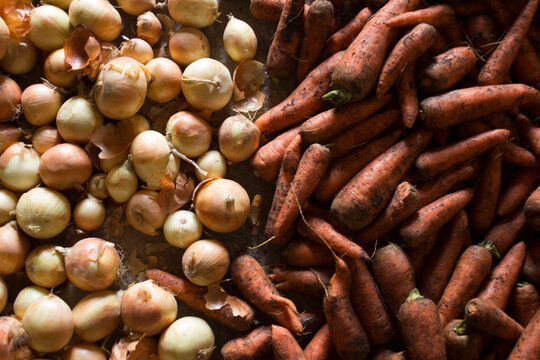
520,186
436,15
463,342
306,253
526,67
320,347
531,209
529,132
269,10
506,230
524,302
418,253
284,345
482,33
310,282
255,345
531,267
407,95
470,8
528,345
485,316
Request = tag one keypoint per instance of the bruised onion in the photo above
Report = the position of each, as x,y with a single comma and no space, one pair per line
65,166
99,15
4,38
3,294
10,98
239,40
8,202
195,13
97,315
89,214
238,138
56,70
40,104
149,27
14,247
148,308
144,212
136,7
77,119
121,182
151,154
20,57
182,228
137,49
50,27
19,165
83,351
188,338
189,133
27,297
45,266
44,138
213,163
187,45
165,80
97,186
8,135
205,262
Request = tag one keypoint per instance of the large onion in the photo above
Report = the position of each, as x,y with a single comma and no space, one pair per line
99,15
65,166
89,214
205,262
189,133
77,119
151,154
97,315
45,266
148,27
195,13
213,163
27,297
14,247
238,138
8,203
239,40
165,80
182,228
187,45
188,338
137,49
40,104
19,166
50,27
145,213
20,58
10,98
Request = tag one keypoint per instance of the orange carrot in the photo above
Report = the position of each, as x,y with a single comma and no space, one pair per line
506,230
524,302
407,95
529,132
463,342
306,253
482,33
526,66
418,253
485,316
528,345
500,120
320,347
453,33
311,282
255,345
269,10
531,267
436,15
284,345
521,184
532,209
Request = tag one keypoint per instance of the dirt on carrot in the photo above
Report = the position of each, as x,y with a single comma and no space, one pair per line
407,95
320,347
505,232
528,345
306,253
269,10
485,316
463,342
436,15
255,345
311,282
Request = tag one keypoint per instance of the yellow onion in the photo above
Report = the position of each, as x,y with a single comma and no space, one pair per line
238,138
108,164
97,186
195,13
43,213
149,28
3,294
77,119
151,154
83,351
14,340
222,205
92,264
19,166
48,315
65,166
89,214
4,38
10,98
40,104
45,266
144,212
188,338
27,297
56,70
137,49
187,45
20,58
120,88
99,15
164,178
62,4
8,135
136,7
147,308
44,138
189,133
97,315
165,80
213,163
8,203
239,40
138,124
50,27
14,247
182,228
205,262
121,182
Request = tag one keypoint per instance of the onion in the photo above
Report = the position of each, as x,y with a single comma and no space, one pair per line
10,98
45,266
14,247
222,205
207,84
27,297
44,138
137,49
108,164
151,154
8,135
165,80
65,166
188,338
120,88
187,45
182,228
238,138
138,124
43,213
144,213
20,58
50,27
195,13
77,119
205,262
19,165
99,15
121,182
97,186
14,340
48,315
62,4
239,40
89,214
56,70
164,178
92,264
4,38
149,28
136,7
83,351
189,133
40,104
148,308
97,315
8,203
213,163
3,294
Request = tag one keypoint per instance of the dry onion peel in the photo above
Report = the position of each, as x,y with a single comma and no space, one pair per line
16,14
217,298
82,48
113,139
248,76
135,347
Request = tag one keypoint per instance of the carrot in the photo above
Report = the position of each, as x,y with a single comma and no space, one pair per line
280,61
364,196
472,268
470,8
461,105
482,33
320,347
267,160
438,160
528,345
506,230
284,345
485,316
521,184
303,102
311,168
344,169
306,253
418,253
255,345
421,328
269,10
317,26
249,277
498,286
515,154
324,213
531,267
526,67
500,120
453,33
342,38
529,132
436,15
446,69
420,226
532,209
402,204
310,282
326,125
312,320
394,275
438,47
408,48
524,302
407,95
463,342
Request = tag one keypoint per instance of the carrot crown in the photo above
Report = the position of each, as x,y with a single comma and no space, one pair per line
338,97
490,246
414,295
522,284
461,328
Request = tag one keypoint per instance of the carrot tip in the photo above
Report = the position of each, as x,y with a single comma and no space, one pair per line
461,328
338,97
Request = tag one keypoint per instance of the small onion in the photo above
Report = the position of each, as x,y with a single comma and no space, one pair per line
213,163
222,205
187,45
99,15
195,13
27,297
137,49
148,308
50,27
43,213
48,315
97,186
89,214
165,80
14,340
83,351
3,294
56,70
10,98
62,4
151,154
97,315
138,124
239,40
149,28
121,182
8,135
205,262
44,138
92,264
45,266
8,203
40,104
120,88
238,138
182,228
189,133
108,164
20,58
188,338
77,119
207,85
144,212
19,166
136,7
65,166
14,247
